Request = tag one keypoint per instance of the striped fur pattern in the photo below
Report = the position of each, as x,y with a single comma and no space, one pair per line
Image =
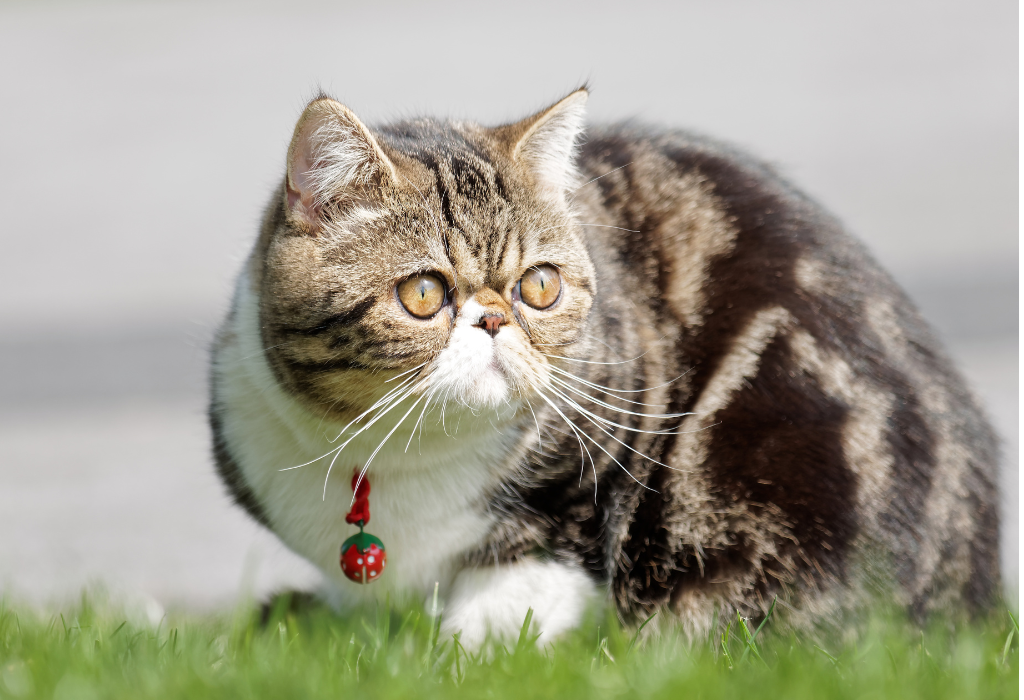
730,401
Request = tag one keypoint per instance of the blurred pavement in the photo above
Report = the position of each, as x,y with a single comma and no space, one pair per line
140,142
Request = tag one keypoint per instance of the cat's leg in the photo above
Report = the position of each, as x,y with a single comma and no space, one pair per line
495,600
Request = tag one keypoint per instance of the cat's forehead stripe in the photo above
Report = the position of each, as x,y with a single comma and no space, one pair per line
471,193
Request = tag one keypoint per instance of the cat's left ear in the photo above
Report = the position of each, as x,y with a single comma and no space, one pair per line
546,144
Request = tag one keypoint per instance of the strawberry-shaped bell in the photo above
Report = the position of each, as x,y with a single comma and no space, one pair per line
362,555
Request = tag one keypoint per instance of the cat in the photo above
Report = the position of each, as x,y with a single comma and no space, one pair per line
635,369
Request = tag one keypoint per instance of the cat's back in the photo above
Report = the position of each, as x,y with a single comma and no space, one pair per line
799,351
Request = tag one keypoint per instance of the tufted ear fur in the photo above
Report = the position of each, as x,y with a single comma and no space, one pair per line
333,157
546,144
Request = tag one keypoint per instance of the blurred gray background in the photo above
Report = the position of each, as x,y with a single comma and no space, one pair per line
140,141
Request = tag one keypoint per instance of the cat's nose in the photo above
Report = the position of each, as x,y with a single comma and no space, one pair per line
491,323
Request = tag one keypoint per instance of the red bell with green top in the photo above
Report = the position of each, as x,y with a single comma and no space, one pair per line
362,555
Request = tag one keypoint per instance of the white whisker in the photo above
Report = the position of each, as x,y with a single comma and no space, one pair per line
386,381
444,404
608,389
549,228
324,416
631,449
570,387
554,345
382,402
576,431
591,362
630,230
596,444
606,421
611,393
306,464
600,176
426,405
540,442
366,427
379,448
608,394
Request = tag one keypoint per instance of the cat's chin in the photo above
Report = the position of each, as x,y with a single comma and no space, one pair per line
490,389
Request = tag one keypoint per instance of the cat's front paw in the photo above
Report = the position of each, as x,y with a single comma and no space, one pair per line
494,600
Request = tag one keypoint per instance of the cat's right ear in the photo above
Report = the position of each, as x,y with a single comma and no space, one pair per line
333,159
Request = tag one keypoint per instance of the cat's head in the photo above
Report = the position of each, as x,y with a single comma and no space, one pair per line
443,249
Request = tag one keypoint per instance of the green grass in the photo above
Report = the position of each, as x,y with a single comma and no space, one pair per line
89,652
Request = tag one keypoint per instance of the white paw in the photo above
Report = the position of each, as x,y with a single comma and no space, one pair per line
494,600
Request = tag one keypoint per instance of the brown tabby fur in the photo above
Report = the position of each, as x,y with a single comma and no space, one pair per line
832,453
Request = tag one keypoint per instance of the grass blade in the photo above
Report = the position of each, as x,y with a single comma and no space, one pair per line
748,641
435,626
636,635
458,648
750,638
768,616
834,660
524,632
725,646
1009,637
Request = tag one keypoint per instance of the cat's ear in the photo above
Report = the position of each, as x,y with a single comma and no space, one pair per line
333,157
546,144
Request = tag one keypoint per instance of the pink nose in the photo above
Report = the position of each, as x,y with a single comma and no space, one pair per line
491,323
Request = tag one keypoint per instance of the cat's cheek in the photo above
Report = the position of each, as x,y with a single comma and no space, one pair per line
494,600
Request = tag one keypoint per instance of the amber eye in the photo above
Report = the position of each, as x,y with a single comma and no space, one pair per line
540,286
422,295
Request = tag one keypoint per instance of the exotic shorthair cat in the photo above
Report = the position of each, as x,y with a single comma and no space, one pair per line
636,367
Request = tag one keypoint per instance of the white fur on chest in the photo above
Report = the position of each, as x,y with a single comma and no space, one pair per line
428,505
